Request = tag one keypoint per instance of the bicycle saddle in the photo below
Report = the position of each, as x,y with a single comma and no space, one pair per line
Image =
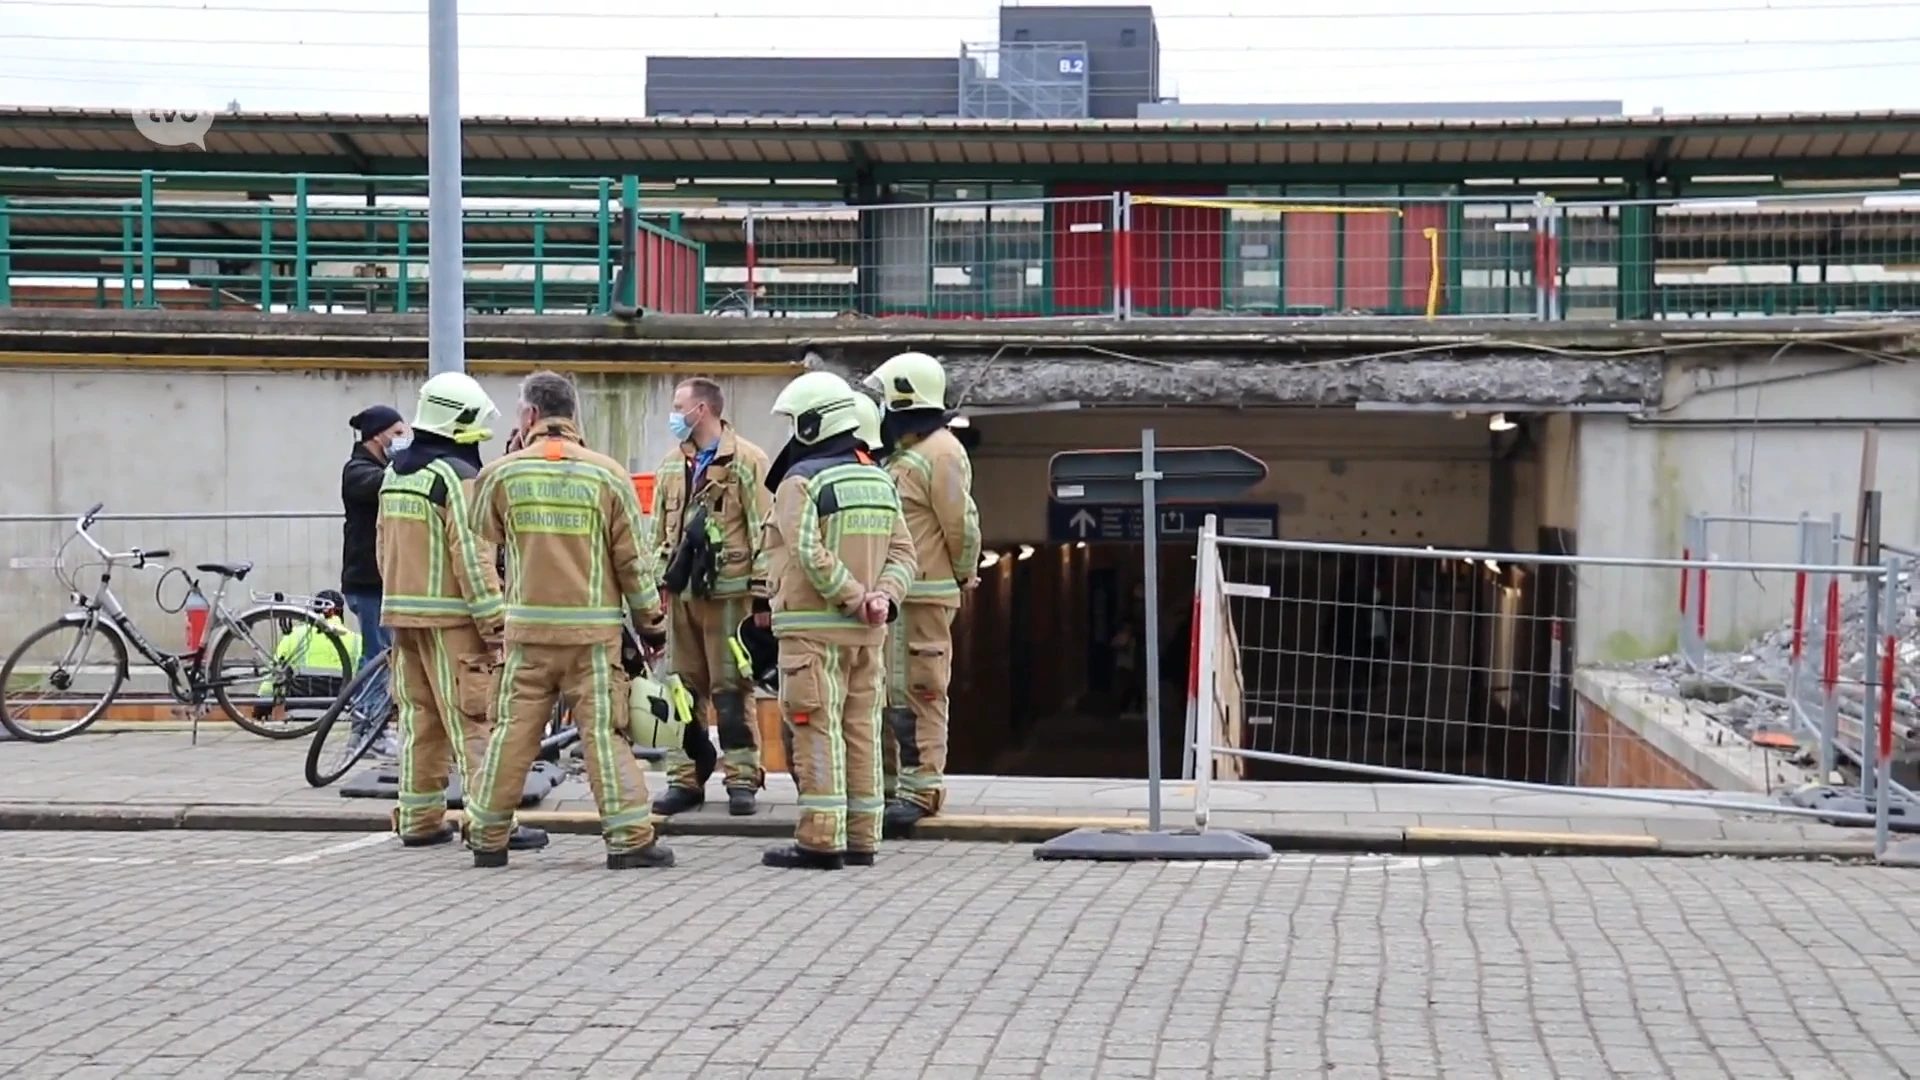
235,570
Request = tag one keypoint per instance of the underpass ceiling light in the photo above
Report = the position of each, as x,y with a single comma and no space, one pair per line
988,560
959,422
1500,423
1026,552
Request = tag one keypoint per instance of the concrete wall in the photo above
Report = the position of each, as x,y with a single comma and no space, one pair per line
1769,436
146,442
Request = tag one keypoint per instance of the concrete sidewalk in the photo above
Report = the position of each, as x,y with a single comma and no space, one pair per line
233,780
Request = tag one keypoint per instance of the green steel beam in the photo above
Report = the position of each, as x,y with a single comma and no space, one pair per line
630,244
147,298
302,268
6,255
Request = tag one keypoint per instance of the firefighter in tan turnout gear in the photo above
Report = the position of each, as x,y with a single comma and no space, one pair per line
840,562
442,600
935,481
580,562
709,505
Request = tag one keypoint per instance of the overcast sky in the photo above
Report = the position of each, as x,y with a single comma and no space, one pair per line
588,57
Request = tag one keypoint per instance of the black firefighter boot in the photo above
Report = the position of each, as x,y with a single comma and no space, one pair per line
736,734
696,745
901,816
795,857
655,856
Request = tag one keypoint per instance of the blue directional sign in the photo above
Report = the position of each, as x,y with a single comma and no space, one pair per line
1112,523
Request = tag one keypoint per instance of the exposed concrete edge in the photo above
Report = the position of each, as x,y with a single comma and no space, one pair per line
1905,854
984,828
1624,698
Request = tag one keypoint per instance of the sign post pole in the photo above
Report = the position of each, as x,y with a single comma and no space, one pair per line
1149,520
1149,474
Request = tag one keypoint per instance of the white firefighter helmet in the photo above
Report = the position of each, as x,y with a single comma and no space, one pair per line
820,405
869,429
453,405
911,380
658,713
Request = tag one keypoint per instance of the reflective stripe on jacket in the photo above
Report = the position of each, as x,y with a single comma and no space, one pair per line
935,478
579,554
436,571
310,653
837,533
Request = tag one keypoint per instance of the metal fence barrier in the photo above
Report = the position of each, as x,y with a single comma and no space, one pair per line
1009,258
1799,650
1318,659
295,241
295,552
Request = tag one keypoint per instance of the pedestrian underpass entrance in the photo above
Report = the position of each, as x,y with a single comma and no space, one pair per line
1050,664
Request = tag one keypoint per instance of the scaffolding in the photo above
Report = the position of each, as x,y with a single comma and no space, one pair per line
1025,80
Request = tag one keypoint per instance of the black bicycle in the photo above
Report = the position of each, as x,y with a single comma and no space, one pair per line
256,677
367,707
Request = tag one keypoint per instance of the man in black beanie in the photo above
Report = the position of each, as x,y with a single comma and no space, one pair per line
381,433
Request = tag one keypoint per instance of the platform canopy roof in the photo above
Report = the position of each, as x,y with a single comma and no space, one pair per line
1839,145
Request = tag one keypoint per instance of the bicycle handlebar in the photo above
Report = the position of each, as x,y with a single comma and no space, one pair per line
139,558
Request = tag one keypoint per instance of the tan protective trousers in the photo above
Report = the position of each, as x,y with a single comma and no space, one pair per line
698,629
919,671
590,680
830,701
442,680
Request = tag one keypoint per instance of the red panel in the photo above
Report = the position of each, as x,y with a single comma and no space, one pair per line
1367,258
650,269
1310,267
1082,270
1419,253
1178,252
667,273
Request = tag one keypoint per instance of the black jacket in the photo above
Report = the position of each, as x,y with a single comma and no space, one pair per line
360,480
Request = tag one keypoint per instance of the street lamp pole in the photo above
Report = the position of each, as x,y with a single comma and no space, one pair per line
446,297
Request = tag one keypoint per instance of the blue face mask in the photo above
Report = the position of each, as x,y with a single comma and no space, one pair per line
677,424
399,443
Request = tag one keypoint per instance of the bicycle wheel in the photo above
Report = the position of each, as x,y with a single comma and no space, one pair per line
348,716
66,669
266,693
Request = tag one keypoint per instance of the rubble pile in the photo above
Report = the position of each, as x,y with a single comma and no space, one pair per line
1730,685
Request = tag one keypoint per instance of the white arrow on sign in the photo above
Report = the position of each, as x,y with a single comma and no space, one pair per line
1082,523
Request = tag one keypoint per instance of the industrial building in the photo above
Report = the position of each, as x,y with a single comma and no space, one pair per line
1050,63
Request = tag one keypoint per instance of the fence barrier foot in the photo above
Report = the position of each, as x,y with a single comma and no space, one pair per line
1903,854
1903,817
1137,845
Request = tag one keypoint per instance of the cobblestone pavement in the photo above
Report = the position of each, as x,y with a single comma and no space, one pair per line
207,956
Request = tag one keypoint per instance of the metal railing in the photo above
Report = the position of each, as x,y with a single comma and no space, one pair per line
184,240
294,552
1022,258
1826,254
1338,255
1319,660
298,241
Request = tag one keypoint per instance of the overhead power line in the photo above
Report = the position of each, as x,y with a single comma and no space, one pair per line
761,90
725,81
